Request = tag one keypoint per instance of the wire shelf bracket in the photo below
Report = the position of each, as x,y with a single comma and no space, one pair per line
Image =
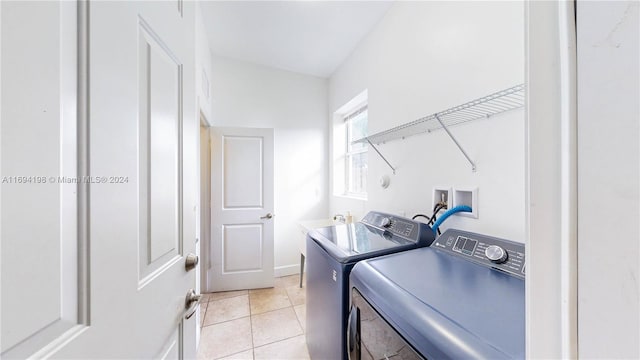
382,156
446,129
481,108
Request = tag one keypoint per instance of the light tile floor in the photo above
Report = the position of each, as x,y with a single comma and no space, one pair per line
255,324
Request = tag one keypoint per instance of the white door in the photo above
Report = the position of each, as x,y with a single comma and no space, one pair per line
241,209
96,267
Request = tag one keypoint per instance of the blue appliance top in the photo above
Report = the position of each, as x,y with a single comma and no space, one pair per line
353,242
446,306
376,235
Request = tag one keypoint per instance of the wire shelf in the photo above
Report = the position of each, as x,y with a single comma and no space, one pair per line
482,108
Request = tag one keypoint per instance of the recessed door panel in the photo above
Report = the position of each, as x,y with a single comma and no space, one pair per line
171,348
242,248
243,167
41,284
160,149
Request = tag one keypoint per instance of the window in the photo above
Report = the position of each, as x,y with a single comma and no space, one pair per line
350,161
356,154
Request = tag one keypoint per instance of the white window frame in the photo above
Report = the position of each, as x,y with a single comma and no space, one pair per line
348,153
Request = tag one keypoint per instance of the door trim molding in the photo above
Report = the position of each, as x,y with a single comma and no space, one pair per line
551,183
84,275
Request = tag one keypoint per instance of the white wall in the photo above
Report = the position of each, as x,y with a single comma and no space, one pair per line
295,105
608,179
203,67
424,57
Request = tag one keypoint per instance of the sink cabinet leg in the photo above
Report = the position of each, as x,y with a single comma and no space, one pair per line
301,268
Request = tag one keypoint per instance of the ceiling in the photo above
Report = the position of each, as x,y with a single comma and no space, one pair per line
309,37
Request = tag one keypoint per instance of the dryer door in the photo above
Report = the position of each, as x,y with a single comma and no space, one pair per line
370,336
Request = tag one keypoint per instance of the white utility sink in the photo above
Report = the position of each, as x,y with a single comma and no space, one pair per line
308,225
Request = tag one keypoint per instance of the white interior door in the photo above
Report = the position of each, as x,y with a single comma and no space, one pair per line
241,209
95,267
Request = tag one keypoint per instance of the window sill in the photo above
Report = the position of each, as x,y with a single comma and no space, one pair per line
351,197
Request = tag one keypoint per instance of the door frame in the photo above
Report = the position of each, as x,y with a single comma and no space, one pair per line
551,180
202,218
204,194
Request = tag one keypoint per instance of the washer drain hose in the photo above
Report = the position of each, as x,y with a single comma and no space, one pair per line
441,219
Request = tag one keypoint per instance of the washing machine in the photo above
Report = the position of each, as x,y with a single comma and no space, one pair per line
461,298
331,254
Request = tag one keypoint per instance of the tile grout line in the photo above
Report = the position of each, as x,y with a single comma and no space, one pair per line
253,351
266,312
304,332
204,315
230,355
273,342
287,338
232,319
226,321
229,297
251,316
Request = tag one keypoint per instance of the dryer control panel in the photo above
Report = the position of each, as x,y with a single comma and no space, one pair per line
504,255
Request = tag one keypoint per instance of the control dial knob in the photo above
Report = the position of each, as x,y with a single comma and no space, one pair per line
385,222
496,254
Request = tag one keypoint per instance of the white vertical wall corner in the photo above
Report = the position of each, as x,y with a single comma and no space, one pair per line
551,181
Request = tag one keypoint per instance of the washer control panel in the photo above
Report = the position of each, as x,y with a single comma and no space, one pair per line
400,226
504,255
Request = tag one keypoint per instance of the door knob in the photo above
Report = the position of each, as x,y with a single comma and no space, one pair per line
268,216
191,262
191,303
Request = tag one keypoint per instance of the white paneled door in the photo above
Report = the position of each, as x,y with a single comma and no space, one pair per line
99,150
241,209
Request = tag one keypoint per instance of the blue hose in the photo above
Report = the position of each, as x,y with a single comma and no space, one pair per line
441,219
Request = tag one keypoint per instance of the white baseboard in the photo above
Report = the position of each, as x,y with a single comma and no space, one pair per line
286,270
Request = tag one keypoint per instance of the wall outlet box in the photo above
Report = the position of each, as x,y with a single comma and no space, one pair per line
469,197
441,193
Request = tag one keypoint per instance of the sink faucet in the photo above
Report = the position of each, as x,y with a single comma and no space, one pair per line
339,217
